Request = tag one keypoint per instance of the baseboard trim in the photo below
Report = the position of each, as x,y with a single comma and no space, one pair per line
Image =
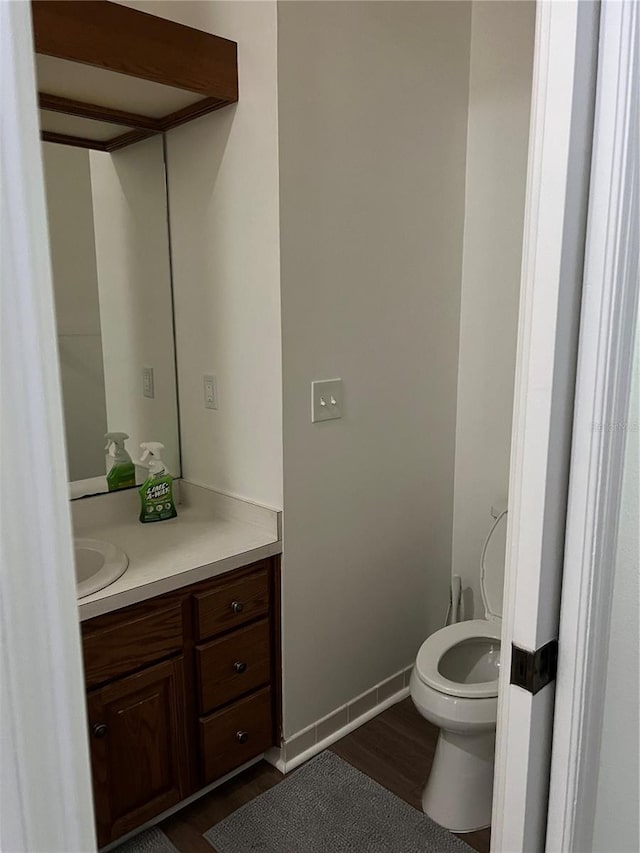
305,744
292,763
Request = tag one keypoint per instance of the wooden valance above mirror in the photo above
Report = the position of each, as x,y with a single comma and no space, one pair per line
109,75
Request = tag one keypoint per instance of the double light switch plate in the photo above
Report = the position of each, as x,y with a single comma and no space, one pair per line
327,400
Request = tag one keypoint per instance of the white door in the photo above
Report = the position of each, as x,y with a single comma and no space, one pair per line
45,782
565,64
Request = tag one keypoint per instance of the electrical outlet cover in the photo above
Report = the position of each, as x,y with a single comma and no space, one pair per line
210,389
148,387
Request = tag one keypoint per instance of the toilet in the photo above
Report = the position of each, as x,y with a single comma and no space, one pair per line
454,685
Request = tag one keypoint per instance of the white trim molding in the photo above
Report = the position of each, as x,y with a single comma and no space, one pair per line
347,718
45,791
564,76
608,320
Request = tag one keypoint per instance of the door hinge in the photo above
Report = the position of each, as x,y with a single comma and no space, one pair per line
534,670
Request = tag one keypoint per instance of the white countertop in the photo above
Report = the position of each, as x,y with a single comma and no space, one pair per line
212,534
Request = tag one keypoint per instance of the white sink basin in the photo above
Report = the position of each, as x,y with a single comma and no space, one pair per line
98,564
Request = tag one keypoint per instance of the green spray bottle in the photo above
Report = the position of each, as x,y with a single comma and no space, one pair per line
156,494
122,474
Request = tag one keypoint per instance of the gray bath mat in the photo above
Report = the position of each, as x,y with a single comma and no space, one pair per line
327,806
151,841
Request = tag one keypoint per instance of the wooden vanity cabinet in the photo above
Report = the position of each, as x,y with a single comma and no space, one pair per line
138,747
182,689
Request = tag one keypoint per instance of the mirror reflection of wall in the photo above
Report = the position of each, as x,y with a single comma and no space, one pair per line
111,270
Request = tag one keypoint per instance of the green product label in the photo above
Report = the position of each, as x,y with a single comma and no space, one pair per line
121,476
157,500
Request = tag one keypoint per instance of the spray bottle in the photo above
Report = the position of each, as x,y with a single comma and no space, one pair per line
122,473
156,494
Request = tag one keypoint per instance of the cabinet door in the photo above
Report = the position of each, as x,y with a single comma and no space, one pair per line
138,748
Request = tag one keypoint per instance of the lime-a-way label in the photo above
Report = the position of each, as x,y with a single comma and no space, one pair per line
157,500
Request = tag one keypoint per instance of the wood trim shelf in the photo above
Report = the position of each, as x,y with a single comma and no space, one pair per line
109,145
117,38
127,41
57,104
129,138
75,141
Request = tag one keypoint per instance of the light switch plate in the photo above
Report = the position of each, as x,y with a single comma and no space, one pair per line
327,400
210,388
148,388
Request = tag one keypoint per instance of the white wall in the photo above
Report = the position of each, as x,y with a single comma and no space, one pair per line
73,263
370,237
373,117
616,826
502,37
134,285
223,189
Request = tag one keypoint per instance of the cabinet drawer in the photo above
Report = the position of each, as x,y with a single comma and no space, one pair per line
129,644
233,665
232,604
235,735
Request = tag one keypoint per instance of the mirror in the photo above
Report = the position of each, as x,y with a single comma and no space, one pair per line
110,258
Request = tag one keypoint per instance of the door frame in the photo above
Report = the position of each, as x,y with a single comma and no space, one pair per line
562,108
572,716
45,781
608,326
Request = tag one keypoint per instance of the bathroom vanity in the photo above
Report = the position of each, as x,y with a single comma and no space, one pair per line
183,687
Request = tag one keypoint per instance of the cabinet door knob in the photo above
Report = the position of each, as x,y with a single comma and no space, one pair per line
237,606
99,730
242,737
240,666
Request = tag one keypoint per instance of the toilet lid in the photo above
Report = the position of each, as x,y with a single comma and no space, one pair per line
492,569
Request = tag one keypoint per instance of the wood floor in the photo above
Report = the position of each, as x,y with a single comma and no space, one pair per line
395,748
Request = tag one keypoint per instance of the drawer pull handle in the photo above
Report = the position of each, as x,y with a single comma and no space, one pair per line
237,606
240,666
99,730
242,737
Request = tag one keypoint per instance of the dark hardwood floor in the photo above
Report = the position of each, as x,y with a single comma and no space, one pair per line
395,748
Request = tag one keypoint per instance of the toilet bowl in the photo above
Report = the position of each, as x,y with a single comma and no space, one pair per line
454,685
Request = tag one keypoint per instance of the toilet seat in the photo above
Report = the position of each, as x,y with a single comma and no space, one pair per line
437,645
